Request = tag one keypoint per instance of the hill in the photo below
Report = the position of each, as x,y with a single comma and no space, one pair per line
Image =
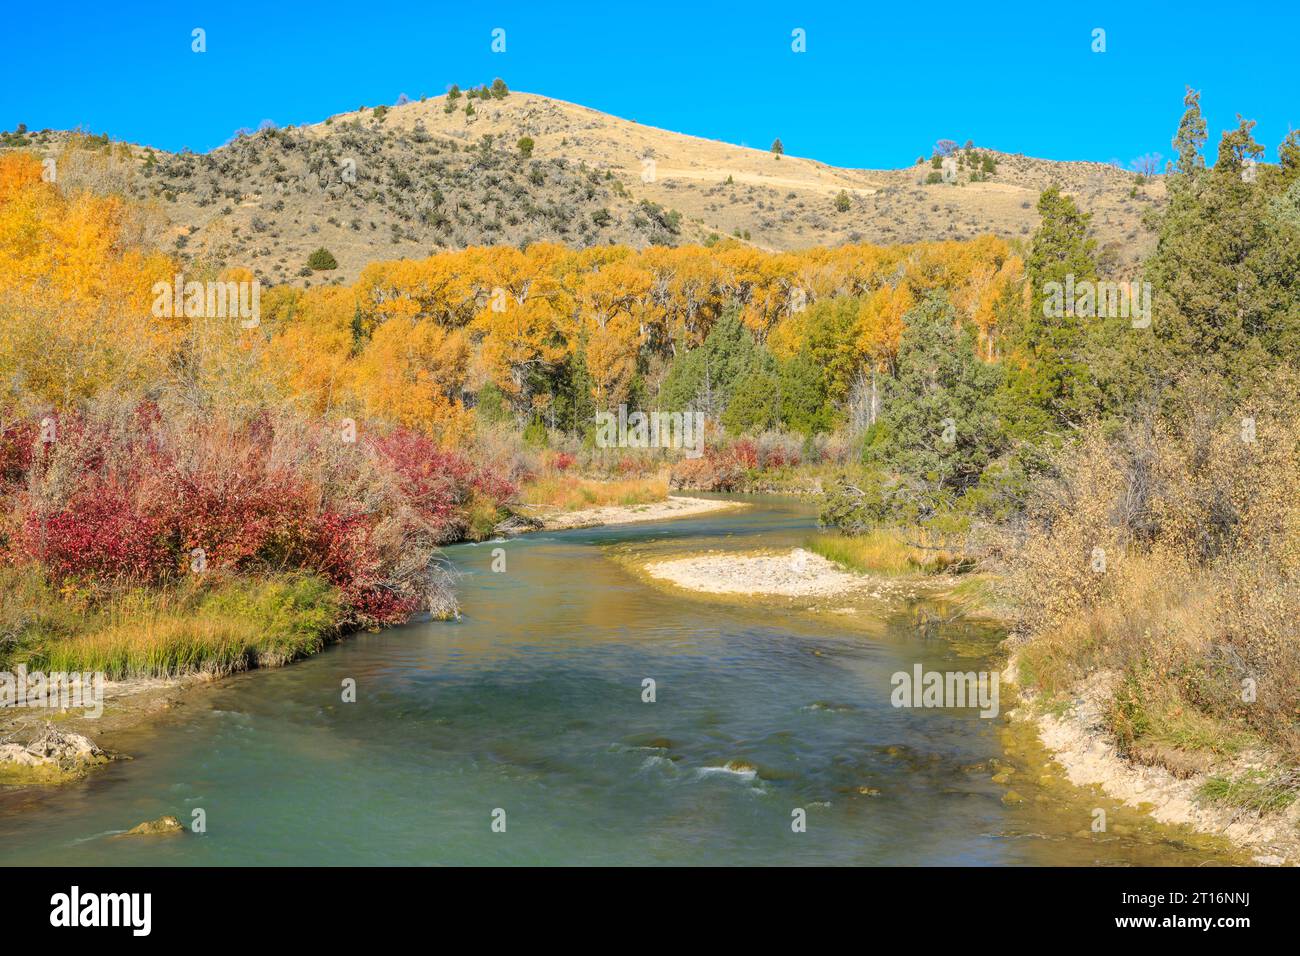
410,180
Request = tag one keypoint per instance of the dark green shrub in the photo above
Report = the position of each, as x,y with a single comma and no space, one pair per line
322,260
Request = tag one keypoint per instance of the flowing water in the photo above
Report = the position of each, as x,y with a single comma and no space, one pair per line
532,705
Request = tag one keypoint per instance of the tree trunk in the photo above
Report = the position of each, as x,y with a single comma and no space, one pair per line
875,397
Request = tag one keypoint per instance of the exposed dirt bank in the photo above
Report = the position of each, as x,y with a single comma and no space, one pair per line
1077,738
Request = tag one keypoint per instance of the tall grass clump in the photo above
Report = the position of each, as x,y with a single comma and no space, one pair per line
887,551
218,627
562,491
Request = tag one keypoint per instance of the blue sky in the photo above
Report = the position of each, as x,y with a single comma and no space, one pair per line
878,84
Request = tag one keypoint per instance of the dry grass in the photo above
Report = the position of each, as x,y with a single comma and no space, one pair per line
1193,596
564,492
1255,791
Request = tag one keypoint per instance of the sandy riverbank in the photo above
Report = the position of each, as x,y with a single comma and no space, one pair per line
1079,742
673,507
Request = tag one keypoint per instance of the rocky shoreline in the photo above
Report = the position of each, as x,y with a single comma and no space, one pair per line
795,574
1078,741
41,746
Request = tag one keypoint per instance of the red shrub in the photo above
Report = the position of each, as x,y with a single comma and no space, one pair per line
778,457
745,453
715,471
17,450
240,519
102,532
438,482
434,481
126,496
342,548
494,486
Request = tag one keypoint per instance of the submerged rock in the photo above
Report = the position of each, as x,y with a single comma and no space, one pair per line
168,824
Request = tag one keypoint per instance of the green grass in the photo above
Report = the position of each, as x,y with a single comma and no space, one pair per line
886,551
216,625
481,519
1146,709
1254,791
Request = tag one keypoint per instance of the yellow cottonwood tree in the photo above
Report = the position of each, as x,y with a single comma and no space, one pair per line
411,373
75,293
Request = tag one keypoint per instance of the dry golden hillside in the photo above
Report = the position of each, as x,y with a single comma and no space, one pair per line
409,180
788,203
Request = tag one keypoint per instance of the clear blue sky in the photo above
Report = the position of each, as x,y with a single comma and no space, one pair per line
879,83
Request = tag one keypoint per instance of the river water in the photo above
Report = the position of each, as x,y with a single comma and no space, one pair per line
529,710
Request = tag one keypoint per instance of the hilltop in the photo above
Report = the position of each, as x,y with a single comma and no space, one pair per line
410,180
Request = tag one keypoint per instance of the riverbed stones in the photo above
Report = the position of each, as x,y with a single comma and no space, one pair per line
793,574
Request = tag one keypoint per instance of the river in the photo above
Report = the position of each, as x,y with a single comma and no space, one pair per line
530,711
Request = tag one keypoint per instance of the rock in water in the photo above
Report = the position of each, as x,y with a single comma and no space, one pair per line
167,824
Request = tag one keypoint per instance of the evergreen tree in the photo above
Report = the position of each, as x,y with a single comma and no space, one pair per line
702,379
804,404
1288,156
939,427
1050,385
1224,273
1191,136
755,404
